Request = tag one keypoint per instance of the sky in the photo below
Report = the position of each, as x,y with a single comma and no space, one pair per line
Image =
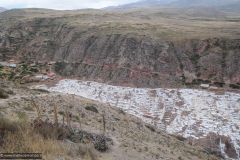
61,4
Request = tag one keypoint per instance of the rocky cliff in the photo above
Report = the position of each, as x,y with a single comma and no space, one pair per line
88,46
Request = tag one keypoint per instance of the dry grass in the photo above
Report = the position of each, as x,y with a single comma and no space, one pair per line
87,153
42,137
127,130
173,24
3,94
20,137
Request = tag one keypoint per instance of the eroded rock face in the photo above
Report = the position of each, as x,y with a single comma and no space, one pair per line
121,58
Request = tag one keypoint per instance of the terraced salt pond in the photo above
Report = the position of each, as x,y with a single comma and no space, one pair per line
187,112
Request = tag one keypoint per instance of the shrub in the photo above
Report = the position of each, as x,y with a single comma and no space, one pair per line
91,108
22,116
234,86
59,66
150,127
100,143
28,108
3,94
180,138
51,131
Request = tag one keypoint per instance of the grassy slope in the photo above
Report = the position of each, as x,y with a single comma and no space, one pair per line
163,23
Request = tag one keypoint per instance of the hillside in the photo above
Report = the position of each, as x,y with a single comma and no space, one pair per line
216,4
205,3
141,4
2,9
128,137
153,48
157,82
208,118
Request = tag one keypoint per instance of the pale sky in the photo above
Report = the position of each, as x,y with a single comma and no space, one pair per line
61,4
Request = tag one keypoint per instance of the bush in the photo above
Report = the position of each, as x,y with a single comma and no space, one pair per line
100,143
234,86
3,94
91,108
59,66
150,127
51,131
180,138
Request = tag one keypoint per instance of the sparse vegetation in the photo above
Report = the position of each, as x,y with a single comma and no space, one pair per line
160,47
43,137
150,127
3,94
91,108
58,67
21,137
22,116
234,86
41,90
28,108
85,135
180,138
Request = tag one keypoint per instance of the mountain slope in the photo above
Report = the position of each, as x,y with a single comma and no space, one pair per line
204,3
149,48
234,7
230,5
131,137
142,4
194,114
2,9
